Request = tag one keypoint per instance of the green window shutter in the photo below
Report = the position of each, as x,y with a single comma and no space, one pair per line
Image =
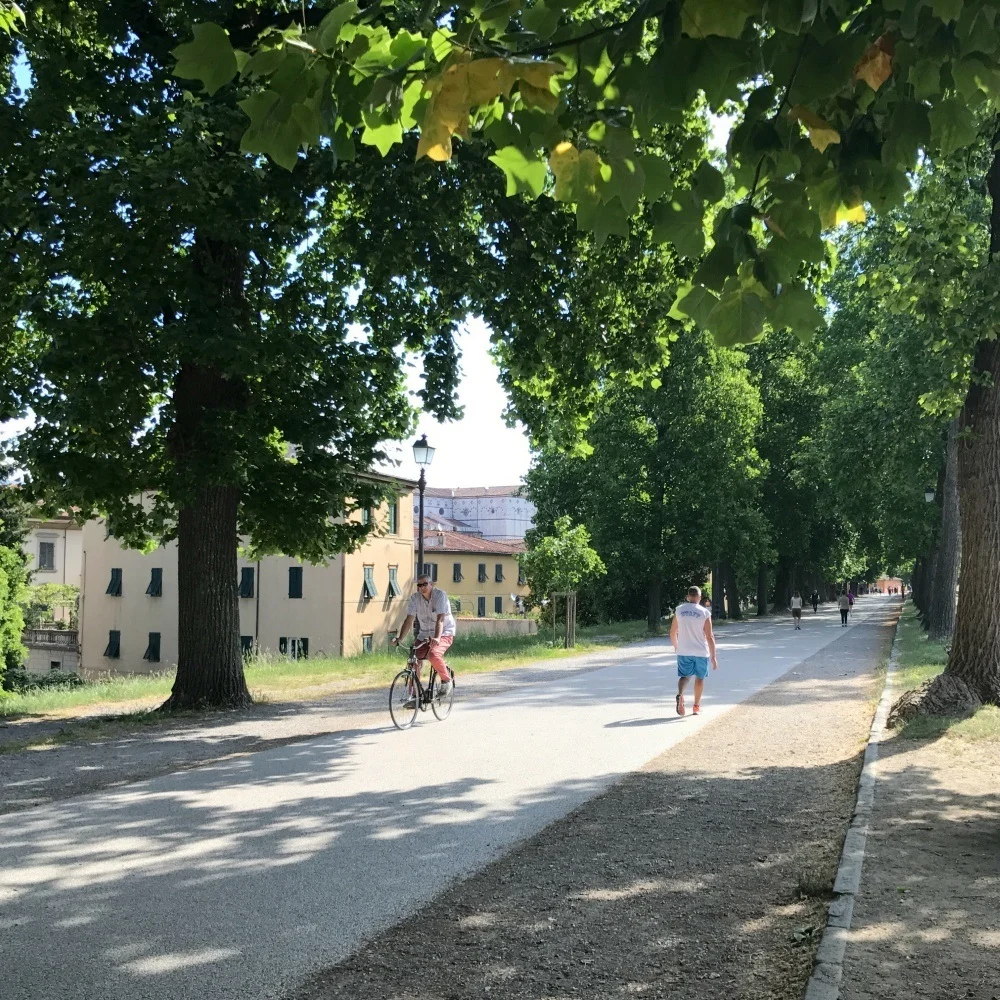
498,575
482,573
481,607
153,648
369,590
283,645
521,581
294,581
366,515
114,647
303,649
247,581
115,585
456,573
366,644
155,588
498,605
394,588
394,517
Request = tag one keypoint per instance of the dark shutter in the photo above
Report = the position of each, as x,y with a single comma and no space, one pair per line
153,648
481,607
394,588
498,575
294,581
246,644
115,585
303,649
498,605
155,588
482,573
521,581
368,589
283,645
246,581
114,647
456,573
366,644
394,517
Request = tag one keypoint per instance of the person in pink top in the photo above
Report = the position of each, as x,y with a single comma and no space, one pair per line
694,643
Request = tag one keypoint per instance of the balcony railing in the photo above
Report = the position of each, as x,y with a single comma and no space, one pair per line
51,638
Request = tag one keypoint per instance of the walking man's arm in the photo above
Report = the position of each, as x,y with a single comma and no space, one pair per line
710,636
673,633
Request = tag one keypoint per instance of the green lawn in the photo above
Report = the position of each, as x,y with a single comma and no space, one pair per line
278,680
919,661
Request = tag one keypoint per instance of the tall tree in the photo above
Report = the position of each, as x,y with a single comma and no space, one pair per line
13,576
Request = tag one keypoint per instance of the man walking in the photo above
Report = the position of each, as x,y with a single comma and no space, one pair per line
814,601
694,643
435,628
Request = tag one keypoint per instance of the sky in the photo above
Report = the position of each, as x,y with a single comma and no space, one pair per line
480,449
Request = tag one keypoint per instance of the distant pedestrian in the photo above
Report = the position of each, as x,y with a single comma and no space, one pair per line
796,605
814,601
845,607
850,599
694,643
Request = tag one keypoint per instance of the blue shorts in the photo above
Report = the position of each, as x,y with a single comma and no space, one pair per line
692,666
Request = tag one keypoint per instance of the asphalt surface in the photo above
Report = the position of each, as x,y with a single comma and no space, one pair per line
236,880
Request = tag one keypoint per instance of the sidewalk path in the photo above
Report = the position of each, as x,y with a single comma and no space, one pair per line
233,881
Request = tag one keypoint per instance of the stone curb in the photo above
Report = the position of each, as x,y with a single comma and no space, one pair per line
824,983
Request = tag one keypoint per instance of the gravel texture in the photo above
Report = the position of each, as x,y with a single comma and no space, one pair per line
705,874
927,920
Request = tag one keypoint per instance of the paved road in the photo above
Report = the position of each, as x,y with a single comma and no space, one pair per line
231,882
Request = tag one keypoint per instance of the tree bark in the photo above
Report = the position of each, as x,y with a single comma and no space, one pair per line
653,610
732,592
944,581
209,663
761,590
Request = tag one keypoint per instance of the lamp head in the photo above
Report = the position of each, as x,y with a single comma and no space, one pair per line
929,494
423,453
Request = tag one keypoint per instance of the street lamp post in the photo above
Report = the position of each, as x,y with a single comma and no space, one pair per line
423,455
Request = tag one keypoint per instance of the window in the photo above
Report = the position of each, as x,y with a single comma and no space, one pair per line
498,605
456,573
394,518
498,573
153,648
113,650
394,588
115,586
294,649
482,573
246,644
246,581
294,581
55,665
366,643
456,605
429,569
392,637
369,590
366,515
481,607
47,555
155,588
521,581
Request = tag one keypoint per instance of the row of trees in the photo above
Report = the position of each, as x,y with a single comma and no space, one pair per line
186,292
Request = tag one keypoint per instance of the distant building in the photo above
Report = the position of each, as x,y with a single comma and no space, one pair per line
493,512
483,576
54,547
128,608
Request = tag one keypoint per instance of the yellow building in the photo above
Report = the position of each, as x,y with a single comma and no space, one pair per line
128,612
483,576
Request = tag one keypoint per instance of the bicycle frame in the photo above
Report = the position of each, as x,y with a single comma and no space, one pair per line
413,665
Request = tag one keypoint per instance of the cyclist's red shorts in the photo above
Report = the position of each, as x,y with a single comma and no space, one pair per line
436,653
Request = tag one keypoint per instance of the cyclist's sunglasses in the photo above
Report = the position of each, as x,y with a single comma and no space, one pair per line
426,583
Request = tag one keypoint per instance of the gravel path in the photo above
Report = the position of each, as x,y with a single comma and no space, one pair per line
704,875
927,921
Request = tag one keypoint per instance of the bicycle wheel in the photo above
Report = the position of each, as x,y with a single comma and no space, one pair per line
442,706
403,700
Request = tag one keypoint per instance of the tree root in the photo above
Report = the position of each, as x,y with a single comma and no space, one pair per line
944,695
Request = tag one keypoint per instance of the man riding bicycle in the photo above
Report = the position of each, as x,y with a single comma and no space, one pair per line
435,628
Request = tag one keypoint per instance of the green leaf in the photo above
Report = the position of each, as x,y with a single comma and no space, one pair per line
947,10
382,137
626,182
709,183
272,131
602,220
795,309
540,19
525,175
701,18
694,302
677,219
328,32
659,177
953,125
404,47
716,267
210,58
738,317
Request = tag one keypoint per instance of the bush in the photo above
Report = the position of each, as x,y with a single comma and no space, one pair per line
19,680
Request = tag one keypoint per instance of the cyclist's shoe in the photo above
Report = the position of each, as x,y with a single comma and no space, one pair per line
410,702
444,689
680,704
696,710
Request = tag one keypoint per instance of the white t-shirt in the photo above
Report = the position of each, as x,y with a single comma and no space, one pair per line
796,603
426,613
691,620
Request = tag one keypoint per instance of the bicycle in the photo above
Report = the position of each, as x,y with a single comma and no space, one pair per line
407,695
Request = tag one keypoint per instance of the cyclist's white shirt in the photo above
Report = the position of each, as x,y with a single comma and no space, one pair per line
691,620
426,612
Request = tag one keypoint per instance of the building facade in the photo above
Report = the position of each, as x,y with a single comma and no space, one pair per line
482,577
128,606
54,548
494,512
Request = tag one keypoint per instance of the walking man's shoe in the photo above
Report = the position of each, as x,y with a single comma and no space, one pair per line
696,710
680,704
